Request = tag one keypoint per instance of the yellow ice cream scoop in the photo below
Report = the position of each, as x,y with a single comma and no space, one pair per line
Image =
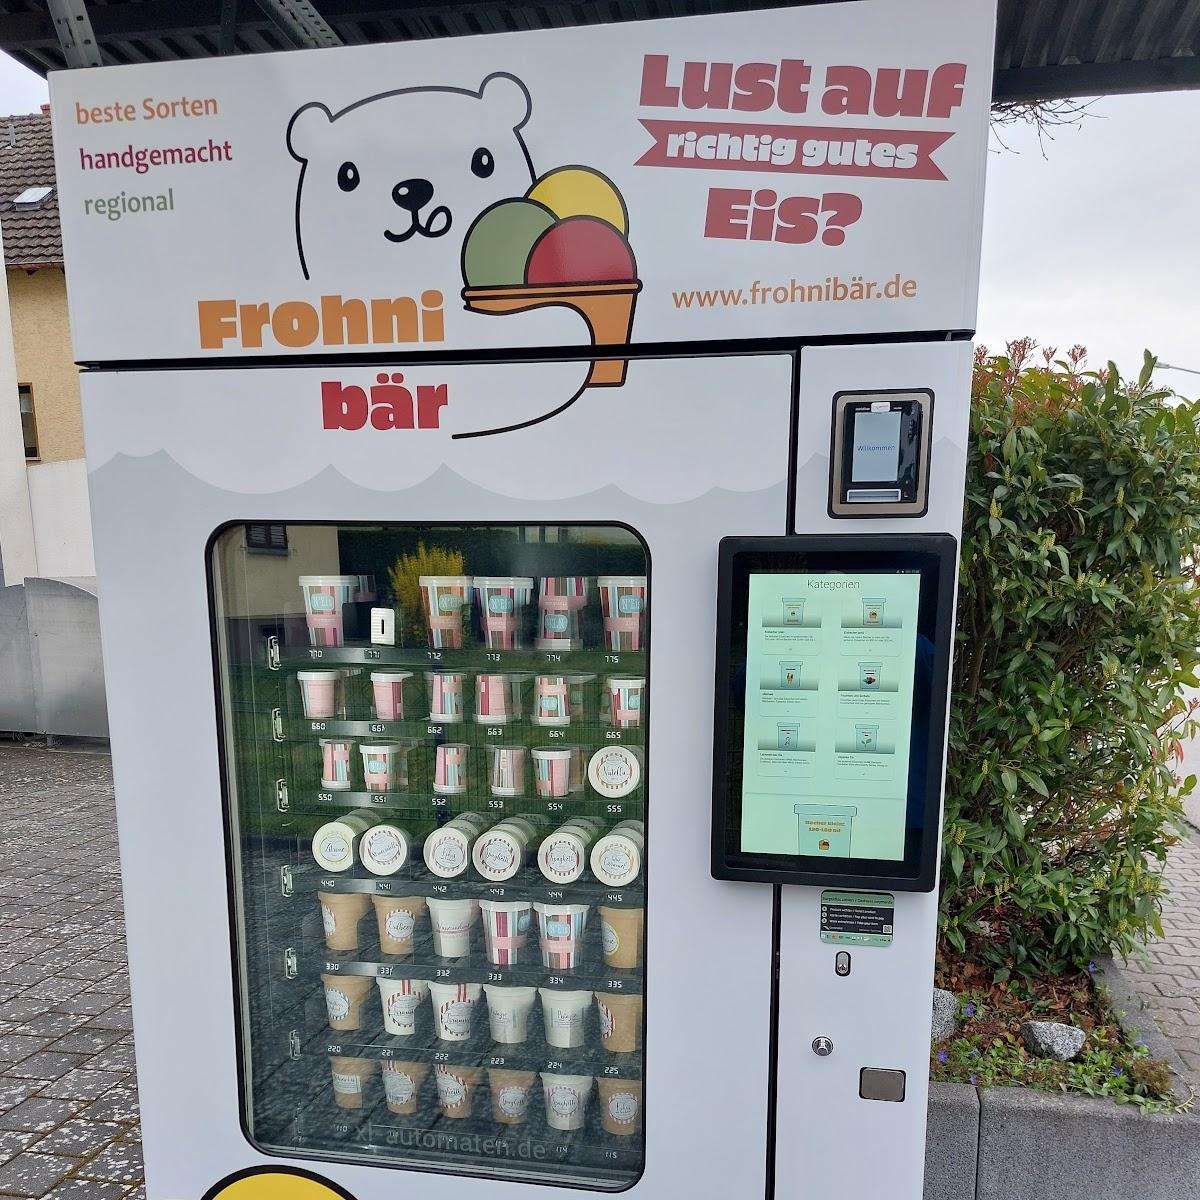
581,192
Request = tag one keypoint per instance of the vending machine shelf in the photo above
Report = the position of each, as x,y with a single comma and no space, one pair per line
474,659
530,886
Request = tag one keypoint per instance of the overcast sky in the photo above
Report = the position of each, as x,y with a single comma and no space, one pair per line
1096,242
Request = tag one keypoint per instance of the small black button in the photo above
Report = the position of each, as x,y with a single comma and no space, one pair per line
841,963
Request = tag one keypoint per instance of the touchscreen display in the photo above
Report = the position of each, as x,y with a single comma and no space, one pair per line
830,668
876,451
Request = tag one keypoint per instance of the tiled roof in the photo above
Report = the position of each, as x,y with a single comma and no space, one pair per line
31,235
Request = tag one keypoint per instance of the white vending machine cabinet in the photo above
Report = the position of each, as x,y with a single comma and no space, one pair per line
423,384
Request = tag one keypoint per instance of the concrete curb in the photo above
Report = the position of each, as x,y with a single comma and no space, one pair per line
1138,1023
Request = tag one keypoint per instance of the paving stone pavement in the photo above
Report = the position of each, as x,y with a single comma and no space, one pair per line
69,1125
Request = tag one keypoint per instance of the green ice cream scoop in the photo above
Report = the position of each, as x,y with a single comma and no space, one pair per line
498,244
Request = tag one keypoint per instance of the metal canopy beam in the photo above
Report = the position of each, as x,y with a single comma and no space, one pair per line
74,29
1097,79
301,22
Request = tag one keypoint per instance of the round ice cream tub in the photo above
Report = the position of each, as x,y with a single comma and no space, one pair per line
564,1016
623,608
502,604
625,695
563,856
336,756
324,598
566,1099
498,698
320,693
397,918
450,769
451,921
622,933
506,930
508,1012
402,1085
456,1085
344,996
446,601
334,844
510,1094
385,848
341,913
616,858
620,1021
551,772
350,1079
561,598
506,770
620,1105
385,765
500,852
445,696
387,692
560,933
454,1007
400,999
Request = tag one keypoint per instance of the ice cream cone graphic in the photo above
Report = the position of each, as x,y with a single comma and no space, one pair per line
564,243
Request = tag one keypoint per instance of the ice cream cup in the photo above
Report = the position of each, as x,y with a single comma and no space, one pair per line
506,930
334,845
344,996
551,772
336,754
620,1105
454,1007
579,705
445,696
402,1085
616,858
577,776
447,851
364,589
400,999
324,598
506,770
385,848
498,698
340,914
385,765
551,700
350,1079
623,607
625,695
560,933
502,604
620,1021
397,917
563,856
561,598
452,920
508,1011
622,931
510,1094
456,1086
320,693
564,1016
500,852
387,691
450,769
447,603
566,1099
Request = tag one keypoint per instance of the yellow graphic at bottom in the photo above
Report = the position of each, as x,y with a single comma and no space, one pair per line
274,1184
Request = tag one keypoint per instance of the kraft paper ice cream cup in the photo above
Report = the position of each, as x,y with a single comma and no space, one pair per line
385,848
320,693
402,1085
450,769
616,858
625,697
564,1016
324,598
561,598
623,606
506,770
344,996
454,1009
563,856
622,931
506,930
400,999
551,700
446,600
397,917
336,755
447,851
335,844
620,1105
498,698
566,1099
451,921
387,693
502,604
385,765
350,1079
511,1091
551,772
560,933
340,914
445,696
508,1012
620,1021
456,1086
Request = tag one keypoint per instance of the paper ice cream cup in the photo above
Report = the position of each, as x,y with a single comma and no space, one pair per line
445,696
506,770
336,754
320,693
616,858
560,933
502,604
385,848
625,696
454,1009
341,913
551,700
551,772
579,704
620,1105
511,1091
397,917
334,845
623,607
500,852
498,698
452,921
564,1016
387,693
344,996
456,1086
563,856
400,999
506,930
324,598
450,769
561,598
508,1012
447,851
577,775
446,600
620,1021
622,931
350,1079
402,1085
566,1099
385,765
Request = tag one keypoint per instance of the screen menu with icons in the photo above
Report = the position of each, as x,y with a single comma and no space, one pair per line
831,660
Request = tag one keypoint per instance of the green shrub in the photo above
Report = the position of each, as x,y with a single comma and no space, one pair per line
1078,624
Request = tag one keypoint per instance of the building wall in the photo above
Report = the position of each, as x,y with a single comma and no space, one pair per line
62,525
45,359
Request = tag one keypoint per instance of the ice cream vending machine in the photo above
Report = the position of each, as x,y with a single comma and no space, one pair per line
525,475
